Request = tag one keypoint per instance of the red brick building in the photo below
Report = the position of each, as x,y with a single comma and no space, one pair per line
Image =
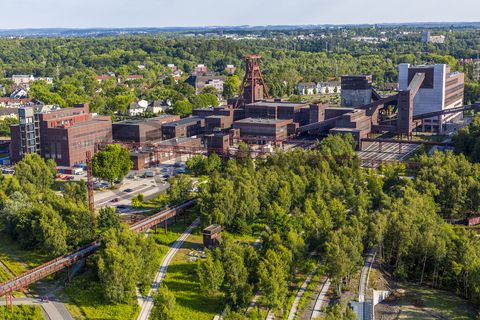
65,135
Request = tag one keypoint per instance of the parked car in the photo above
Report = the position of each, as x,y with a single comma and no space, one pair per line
128,190
131,176
115,200
148,174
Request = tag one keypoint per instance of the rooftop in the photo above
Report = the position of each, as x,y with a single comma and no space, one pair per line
274,104
182,122
146,120
261,121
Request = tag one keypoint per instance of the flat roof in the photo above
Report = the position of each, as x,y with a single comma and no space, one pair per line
278,104
261,121
89,122
177,141
215,117
182,121
146,120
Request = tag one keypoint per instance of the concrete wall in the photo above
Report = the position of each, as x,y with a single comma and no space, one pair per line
426,100
356,98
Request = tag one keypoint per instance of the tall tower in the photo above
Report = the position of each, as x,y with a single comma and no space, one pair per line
253,86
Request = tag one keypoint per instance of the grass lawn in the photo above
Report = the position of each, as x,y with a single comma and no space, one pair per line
181,279
17,259
21,313
257,228
88,301
426,303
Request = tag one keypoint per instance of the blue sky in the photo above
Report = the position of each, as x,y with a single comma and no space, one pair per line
161,13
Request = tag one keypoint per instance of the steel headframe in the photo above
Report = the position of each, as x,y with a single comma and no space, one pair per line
253,78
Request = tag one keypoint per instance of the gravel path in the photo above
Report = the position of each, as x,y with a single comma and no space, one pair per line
147,301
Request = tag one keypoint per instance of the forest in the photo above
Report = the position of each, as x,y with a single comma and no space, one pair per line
74,63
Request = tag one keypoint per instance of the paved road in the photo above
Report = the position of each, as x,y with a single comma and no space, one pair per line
301,291
53,310
364,275
147,302
321,300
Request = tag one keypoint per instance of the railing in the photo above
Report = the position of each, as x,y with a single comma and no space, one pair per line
68,259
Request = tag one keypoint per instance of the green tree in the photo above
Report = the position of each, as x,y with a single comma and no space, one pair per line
164,304
118,265
231,87
180,190
182,108
108,219
210,274
34,174
112,164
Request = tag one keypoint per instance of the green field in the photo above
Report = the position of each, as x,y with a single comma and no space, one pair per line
17,259
426,303
21,313
88,301
181,279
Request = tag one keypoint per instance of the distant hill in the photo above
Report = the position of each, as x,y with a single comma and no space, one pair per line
96,32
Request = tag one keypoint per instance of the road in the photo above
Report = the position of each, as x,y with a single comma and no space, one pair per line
301,291
364,275
321,299
146,303
53,310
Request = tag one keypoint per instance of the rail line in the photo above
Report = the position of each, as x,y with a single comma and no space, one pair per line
48,268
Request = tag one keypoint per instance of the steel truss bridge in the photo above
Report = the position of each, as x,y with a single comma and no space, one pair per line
69,259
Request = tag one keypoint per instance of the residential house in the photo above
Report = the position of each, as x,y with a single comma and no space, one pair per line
307,88
200,82
230,69
159,106
8,113
137,108
19,92
329,87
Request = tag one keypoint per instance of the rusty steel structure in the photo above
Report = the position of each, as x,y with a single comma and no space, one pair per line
91,198
253,87
48,268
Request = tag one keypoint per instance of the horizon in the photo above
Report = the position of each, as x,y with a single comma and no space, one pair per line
247,26
32,14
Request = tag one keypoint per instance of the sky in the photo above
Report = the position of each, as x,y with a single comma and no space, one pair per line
167,13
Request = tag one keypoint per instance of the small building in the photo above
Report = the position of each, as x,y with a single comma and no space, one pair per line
22,79
200,69
356,90
218,142
329,87
281,110
307,88
183,128
230,69
8,113
142,130
218,123
199,82
133,77
137,108
262,131
20,92
212,236
104,77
